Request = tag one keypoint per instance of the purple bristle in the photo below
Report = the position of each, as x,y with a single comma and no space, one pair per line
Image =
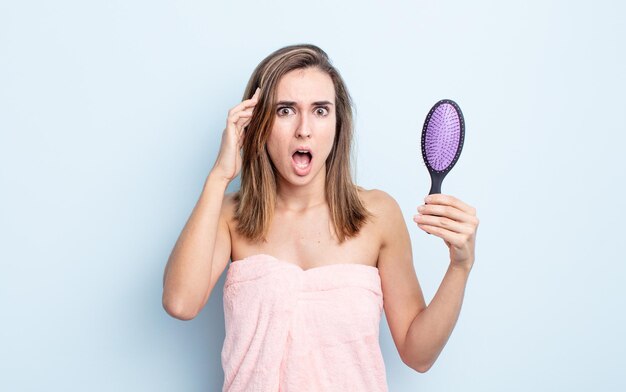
442,136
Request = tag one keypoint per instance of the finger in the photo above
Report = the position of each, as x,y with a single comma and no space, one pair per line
453,238
244,113
445,211
439,198
442,222
244,119
244,105
242,123
234,117
252,100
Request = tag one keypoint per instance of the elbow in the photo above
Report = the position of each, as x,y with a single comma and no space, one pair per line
423,368
178,309
420,367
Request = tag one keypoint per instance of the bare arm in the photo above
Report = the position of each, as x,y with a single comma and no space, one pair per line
431,328
202,250
420,332
187,275
456,223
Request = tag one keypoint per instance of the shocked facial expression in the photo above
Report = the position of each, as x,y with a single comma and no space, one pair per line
304,125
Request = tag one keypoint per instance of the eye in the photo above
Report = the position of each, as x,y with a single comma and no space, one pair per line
283,110
322,110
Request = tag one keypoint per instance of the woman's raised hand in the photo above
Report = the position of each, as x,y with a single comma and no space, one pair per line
453,220
228,162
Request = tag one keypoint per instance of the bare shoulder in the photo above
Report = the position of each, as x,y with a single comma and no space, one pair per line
388,218
378,202
403,298
374,197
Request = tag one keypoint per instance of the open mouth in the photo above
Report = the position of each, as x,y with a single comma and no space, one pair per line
302,159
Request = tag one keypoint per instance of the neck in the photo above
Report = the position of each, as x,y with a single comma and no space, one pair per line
296,197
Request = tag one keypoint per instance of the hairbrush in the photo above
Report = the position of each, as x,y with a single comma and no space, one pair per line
442,140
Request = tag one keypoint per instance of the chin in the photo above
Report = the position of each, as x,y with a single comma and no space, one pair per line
294,179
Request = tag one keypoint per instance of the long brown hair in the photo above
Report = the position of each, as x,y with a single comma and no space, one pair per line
256,199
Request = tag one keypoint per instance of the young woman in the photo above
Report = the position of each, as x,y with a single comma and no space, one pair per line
315,257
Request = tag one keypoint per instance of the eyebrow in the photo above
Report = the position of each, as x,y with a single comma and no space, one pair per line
292,103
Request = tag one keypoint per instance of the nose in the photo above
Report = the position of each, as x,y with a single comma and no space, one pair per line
303,130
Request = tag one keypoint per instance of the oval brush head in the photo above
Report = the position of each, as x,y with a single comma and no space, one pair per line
442,140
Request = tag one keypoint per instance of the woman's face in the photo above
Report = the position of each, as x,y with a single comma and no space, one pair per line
304,120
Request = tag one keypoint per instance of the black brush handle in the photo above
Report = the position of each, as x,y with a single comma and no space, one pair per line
436,178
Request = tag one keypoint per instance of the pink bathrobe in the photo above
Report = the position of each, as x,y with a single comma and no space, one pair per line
295,330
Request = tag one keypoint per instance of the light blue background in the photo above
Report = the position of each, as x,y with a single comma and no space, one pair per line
111,115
